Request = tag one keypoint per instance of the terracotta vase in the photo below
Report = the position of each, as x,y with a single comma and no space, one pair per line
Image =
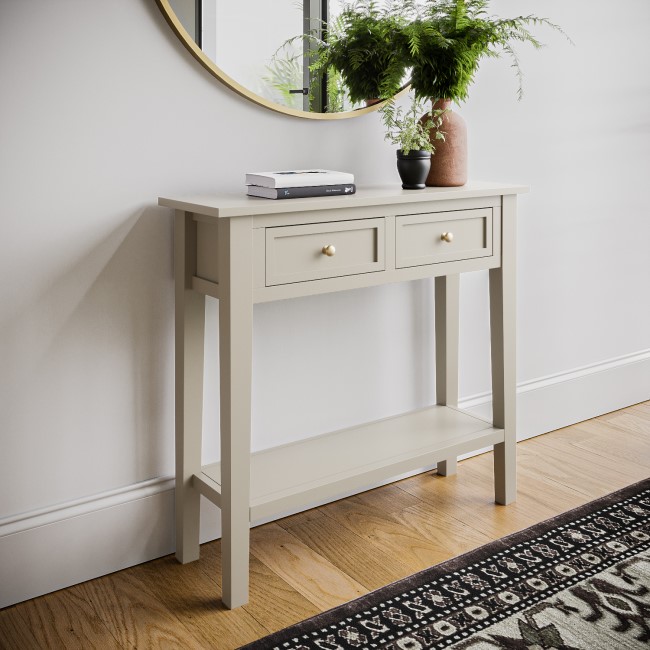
449,162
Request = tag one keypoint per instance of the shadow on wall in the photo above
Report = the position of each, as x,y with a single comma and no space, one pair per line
87,375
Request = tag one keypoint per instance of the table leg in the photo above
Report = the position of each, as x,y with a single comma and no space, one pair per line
503,346
190,325
235,352
447,301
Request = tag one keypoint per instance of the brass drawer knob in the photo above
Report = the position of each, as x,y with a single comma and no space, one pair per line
329,250
447,236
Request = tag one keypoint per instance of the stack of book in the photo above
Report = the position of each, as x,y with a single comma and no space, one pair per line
300,183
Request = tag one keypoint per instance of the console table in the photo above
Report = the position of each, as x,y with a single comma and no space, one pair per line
242,251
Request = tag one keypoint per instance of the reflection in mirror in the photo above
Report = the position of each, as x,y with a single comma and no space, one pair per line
266,47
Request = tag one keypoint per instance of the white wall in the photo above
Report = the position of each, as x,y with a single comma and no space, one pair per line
102,110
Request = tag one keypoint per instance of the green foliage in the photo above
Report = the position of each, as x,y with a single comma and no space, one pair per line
335,92
447,41
361,45
282,75
440,42
408,128
370,49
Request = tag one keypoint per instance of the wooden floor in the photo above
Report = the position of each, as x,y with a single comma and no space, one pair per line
310,562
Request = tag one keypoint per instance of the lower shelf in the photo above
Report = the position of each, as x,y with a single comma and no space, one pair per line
326,466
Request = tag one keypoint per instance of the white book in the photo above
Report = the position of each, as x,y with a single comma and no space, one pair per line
299,178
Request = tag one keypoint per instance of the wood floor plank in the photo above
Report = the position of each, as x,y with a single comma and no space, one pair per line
67,619
384,532
590,473
15,633
445,492
469,497
309,573
614,430
389,498
192,593
632,422
613,443
451,535
300,518
274,603
371,567
642,409
135,616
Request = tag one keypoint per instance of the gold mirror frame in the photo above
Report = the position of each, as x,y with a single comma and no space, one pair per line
213,69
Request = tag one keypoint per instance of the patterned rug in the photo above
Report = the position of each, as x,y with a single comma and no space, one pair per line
578,581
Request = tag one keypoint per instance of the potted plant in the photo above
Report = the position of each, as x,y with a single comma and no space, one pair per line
360,45
416,137
444,46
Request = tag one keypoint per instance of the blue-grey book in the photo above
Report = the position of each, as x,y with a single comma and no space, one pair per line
301,192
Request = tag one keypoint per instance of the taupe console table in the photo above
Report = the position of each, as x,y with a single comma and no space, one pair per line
243,251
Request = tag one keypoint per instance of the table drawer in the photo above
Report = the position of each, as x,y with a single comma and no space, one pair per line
299,253
421,238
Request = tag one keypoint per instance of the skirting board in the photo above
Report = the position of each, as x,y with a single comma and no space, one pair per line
569,397
78,546
57,547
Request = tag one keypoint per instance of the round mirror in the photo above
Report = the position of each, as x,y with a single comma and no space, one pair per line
263,49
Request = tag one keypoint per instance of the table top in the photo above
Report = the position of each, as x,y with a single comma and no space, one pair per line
240,205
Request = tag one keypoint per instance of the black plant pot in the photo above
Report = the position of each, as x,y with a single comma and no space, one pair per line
413,168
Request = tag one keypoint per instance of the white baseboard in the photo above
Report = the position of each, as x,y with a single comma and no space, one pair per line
70,549
52,548
569,397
